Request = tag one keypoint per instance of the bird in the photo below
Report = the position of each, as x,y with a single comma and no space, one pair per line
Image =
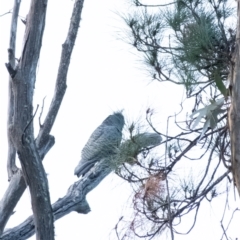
102,143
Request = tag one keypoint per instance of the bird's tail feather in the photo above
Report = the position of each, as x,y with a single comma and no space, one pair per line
82,169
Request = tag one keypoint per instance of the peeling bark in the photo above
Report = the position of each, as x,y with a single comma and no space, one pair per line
61,80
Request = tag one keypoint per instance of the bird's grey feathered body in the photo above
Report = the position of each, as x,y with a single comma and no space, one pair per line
102,143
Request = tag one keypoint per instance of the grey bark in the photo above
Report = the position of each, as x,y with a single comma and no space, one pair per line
5,212
234,111
16,188
23,134
11,166
74,200
10,199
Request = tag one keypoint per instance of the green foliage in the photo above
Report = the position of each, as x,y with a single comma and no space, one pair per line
129,149
188,43
201,40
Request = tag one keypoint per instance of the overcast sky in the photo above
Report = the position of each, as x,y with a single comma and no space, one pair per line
105,75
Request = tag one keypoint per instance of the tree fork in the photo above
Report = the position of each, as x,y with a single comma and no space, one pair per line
21,130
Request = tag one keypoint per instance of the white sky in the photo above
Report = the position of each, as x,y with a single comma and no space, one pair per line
105,75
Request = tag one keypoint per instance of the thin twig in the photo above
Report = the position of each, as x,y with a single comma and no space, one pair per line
139,4
10,11
167,184
39,119
116,227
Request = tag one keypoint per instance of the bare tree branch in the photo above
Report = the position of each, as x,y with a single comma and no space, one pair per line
45,146
21,130
139,4
74,200
167,186
16,188
11,166
61,86
10,199
5,13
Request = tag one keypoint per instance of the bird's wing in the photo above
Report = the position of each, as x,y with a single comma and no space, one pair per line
101,144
